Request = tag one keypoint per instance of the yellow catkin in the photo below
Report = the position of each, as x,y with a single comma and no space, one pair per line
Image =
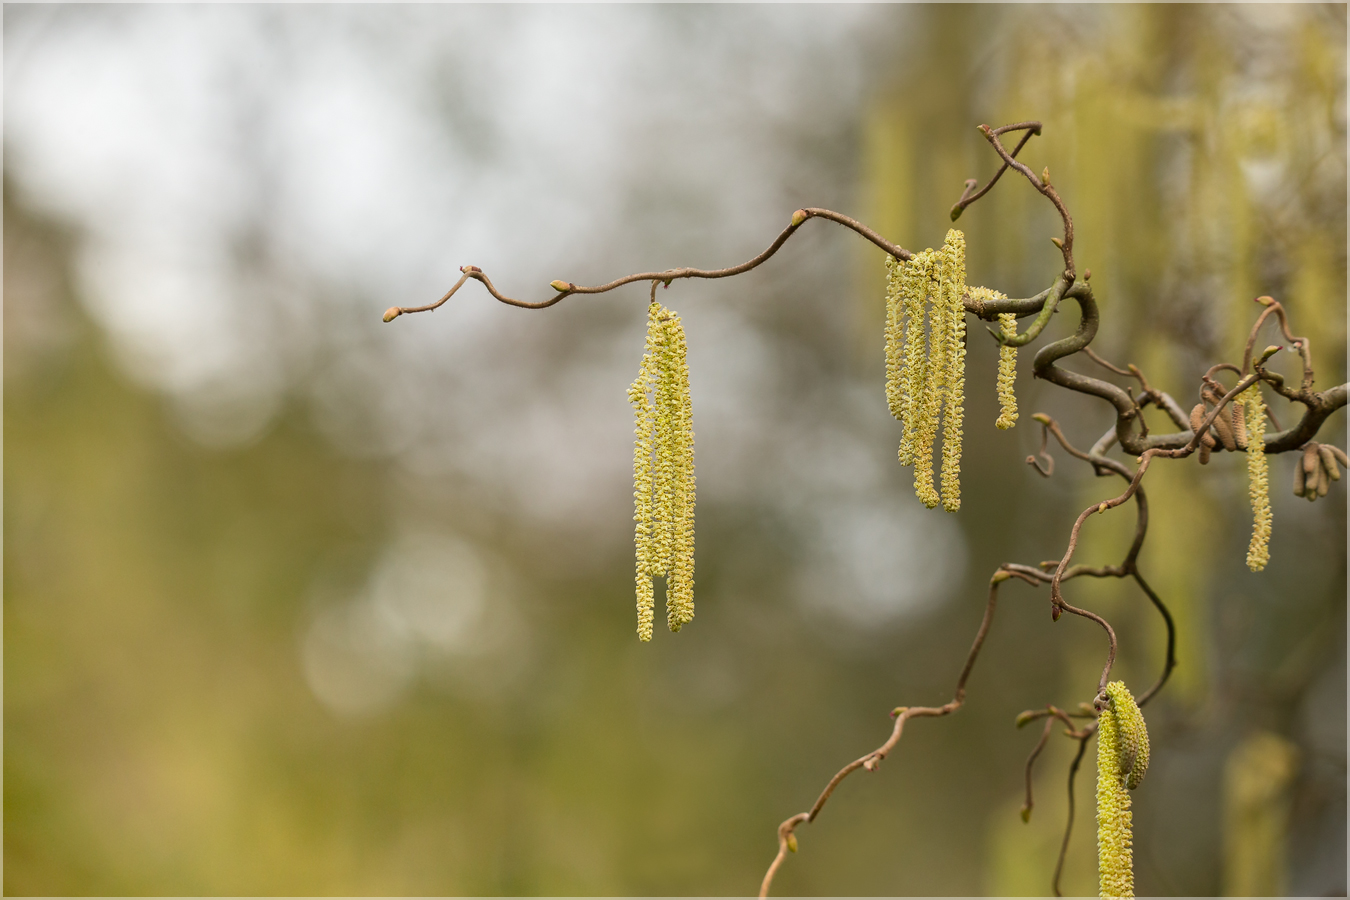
914,283
1122,760
952,288
663,473
895,337
1258,478
929,402
680,568
644,413
1007,371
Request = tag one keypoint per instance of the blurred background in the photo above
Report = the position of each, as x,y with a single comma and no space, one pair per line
299,602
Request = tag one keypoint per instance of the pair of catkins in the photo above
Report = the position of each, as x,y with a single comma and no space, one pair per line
663,473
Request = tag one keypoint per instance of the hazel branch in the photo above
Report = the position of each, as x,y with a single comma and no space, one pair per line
567,288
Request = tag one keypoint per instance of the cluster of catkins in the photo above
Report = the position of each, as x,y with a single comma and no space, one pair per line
926,368
1122,761
663,473
1317,468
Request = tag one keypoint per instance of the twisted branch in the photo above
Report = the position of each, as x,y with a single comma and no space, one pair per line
1128,410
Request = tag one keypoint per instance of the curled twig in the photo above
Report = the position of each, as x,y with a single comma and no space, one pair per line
1041,184
1068,825
1273,307
567,288
970,195
902,714
1049,468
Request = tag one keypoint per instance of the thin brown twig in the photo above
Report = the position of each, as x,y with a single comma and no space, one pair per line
567,288
1049,468
786,844
1274,307
1051,713
1043,185
871,760
1030,801
1170,661
1068,826
1092,355
967,197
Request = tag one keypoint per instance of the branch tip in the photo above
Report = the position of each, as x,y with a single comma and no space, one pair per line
560,285
392,313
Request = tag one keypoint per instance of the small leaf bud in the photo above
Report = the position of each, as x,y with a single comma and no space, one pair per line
1041,417
1045,176
799,217
792,842
1025,717
1026,813
560,285
392,313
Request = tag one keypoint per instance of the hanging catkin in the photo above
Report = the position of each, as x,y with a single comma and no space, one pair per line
1122,760
1007,358
952,287
663,473
1258,477
925,374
